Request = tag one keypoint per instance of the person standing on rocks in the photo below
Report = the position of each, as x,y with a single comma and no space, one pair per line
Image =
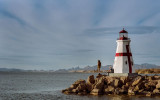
99,66
111,70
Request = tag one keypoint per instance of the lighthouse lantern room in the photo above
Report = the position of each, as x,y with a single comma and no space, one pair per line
123,61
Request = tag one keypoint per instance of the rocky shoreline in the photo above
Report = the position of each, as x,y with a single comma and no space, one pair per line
106,85
148,71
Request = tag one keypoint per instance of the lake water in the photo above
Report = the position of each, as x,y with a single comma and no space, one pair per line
48,86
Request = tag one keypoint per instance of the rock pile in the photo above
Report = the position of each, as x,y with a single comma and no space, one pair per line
102,84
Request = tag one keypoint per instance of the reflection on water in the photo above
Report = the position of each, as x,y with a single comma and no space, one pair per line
29,85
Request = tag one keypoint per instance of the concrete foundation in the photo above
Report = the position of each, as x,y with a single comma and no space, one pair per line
123,74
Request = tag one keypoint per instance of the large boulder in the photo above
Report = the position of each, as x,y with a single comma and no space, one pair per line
131,91
146,86
99,84
156,91
152,85
138,87
99,78
124,79
158,85
90,83
96,92
124,89
81,87
137,80
89,87
109,80
90,80
117,83
109,89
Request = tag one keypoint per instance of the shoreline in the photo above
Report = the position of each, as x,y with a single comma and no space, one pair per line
139,71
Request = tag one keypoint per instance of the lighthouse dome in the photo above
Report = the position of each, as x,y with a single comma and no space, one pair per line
123,31
123,35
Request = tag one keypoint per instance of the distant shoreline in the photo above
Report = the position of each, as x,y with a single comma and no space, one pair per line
139,71
88,71
148,71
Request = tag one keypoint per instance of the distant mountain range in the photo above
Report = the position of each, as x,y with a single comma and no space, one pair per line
87,68
11,70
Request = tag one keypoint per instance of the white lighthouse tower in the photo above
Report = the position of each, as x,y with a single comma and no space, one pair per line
123,59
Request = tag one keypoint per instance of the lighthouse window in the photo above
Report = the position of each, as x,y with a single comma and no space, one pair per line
126,62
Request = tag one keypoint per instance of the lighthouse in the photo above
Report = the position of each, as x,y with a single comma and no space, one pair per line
123,61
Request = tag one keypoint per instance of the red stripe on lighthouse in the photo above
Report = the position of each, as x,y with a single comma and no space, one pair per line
123,54
128,55
129,60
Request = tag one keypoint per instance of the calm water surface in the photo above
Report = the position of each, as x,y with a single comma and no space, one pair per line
48,86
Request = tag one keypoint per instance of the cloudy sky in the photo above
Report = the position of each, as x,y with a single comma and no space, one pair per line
53,34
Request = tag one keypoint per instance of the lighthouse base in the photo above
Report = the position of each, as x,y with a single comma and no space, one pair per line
123,74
